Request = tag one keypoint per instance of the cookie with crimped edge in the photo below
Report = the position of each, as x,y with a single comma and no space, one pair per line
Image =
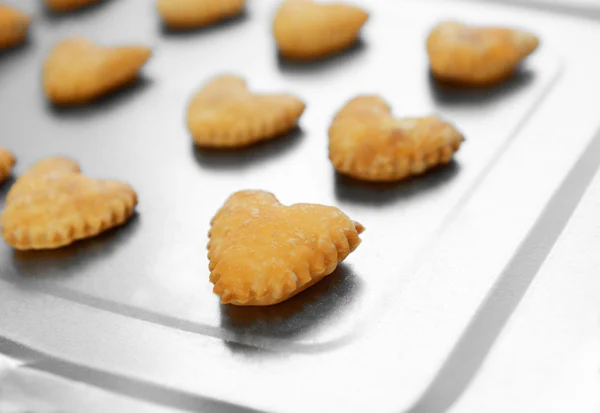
78,71
306,30
262,252
190,14
225,114
367,142
7,161
61,6
52,205
14,26
478,56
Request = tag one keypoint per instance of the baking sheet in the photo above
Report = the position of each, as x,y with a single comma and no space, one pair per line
155,268
27,388
547,357
136,302
589,9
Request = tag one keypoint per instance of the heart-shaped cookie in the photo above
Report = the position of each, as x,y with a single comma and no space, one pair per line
367,142
13,26
188,14
306,30
68,5
470,55
78,71
224,113
52,205
7,161
262,252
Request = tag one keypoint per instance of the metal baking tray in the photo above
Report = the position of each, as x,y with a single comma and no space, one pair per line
546,358
134,306
582,8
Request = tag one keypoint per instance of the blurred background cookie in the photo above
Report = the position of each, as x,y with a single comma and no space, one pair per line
189,14
14,25
471,55
367,142
7,161
307,30
224,113
77,70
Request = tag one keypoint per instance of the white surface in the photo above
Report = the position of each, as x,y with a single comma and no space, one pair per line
548,357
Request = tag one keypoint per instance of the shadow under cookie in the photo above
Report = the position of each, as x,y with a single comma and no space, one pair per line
243,157
331,62
331,297
15,50
57,16
4,188
452,93
104,104
236,20
348,189
71,260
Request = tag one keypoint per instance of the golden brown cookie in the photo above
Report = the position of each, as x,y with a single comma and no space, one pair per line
14,25
60,6
368,143
262,252
52,205
78,71
189,14
307,30
224,113
477,55
7,161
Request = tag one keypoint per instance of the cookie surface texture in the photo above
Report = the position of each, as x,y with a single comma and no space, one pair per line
262,252
367,142
60,6
189,14
471,55
14,25
7,161
52,205
307,30
78,71
224,113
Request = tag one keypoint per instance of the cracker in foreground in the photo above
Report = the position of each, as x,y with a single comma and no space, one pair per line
78,71
60,6
262,252
52,205
189,14
307,30
225,114
368,143
7,161
14,25
477,56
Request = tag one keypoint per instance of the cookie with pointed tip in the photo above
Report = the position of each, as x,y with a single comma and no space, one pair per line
225,114
477,56
307,30
61,6
7,161
14,25
53,204
189,14
262,252
368,143
78,71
